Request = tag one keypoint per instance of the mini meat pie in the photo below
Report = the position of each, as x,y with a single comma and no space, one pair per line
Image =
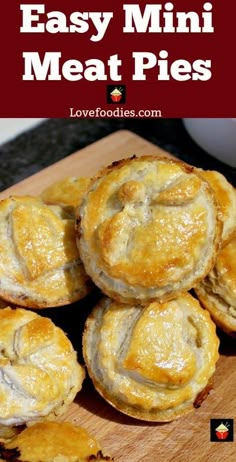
69,191
217,292
226,196
148,227
39,372
53,441
153,363
40,264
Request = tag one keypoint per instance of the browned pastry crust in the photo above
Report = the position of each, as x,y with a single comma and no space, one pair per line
153,363
39,372
148,228
40,264
51,442
217,292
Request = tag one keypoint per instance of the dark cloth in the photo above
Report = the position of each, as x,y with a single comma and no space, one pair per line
55,139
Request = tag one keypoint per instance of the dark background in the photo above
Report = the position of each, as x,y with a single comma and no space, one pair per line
55,139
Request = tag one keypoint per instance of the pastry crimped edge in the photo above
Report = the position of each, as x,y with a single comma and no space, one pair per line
217,307
34,341
126,293
51,441
226,196
90,348
213,298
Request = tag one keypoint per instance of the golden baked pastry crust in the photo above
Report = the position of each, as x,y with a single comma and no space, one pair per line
217,292
39,372
149,227
67,191
51,442
40,264
226,196
151,362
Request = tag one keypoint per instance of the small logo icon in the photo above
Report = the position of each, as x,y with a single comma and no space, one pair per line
222,430
116,94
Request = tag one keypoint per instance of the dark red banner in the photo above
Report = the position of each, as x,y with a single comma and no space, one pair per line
117,59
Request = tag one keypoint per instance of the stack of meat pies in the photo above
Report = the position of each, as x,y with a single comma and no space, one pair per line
145,231
149,230
40,267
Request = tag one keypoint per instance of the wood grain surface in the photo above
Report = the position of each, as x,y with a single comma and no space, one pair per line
127,439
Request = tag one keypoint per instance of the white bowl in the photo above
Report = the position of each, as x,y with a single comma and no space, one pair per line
215,136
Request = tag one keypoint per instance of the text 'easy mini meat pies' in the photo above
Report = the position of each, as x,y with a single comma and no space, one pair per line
217,292
40,264
148,228
39,372
155,362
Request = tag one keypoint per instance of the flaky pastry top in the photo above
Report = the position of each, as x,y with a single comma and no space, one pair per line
148,227
40,264
151,362
39,372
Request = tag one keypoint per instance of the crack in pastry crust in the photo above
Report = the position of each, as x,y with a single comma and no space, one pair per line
149,227
39,372
40,263
151,362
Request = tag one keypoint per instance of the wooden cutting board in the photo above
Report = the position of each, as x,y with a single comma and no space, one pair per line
127,439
